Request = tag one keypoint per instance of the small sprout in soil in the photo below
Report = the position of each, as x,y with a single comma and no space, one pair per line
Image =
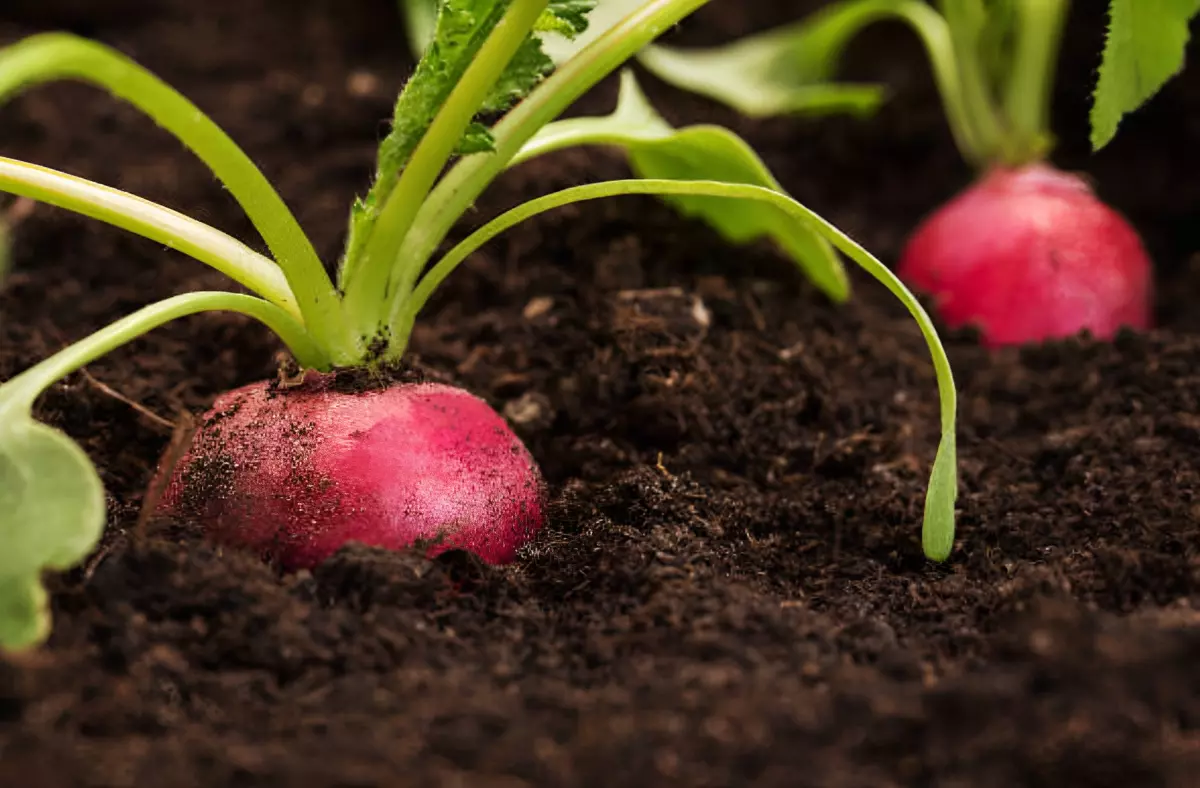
294,469
1027,252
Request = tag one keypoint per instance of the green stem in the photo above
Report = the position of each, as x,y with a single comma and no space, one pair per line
1027,95
53,56
938,527
22,390
966,20
151,220
459,189
366,293
970,131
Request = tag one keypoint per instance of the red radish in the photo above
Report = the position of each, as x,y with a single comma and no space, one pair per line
295,474
1029,254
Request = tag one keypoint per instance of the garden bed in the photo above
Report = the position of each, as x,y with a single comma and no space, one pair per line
732,590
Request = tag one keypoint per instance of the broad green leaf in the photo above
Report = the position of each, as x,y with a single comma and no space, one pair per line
51,517
786,70
656,150
1146,44
460,29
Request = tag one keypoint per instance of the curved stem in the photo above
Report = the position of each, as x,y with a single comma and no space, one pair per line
52,56
468,178
22,390
367,291
151,220
972,128
1028,91
966,20
938,529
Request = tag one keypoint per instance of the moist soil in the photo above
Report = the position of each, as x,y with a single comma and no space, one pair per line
731,589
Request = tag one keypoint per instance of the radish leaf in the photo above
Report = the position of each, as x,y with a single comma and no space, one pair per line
460,31
656,150
1145,48
781,71
420,19
53,514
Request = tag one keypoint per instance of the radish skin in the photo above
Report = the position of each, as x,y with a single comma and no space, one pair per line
1031,254
295,474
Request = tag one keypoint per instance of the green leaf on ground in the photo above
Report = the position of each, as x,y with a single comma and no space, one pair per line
51,517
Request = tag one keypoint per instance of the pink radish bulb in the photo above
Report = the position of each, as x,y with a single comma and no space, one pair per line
1030,254
295,474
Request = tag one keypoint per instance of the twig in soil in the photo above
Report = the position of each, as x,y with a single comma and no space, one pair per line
181,439
94,563
662,468
109,391
756,315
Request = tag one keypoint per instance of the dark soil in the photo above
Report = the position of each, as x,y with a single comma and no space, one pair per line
732,590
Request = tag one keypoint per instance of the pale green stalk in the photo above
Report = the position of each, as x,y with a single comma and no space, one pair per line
966,19
21,391
53,56
1027,94
151,220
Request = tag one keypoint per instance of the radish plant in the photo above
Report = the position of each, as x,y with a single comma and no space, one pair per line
294,469
1027,252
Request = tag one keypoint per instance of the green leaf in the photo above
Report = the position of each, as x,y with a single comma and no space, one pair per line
460,30
1147,40
782,71
568,18
656,150
53,515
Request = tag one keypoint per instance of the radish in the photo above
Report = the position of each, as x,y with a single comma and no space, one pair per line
293,474
1025,253
1028,254
296,469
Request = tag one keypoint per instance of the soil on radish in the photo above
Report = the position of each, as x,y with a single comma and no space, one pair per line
731,591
